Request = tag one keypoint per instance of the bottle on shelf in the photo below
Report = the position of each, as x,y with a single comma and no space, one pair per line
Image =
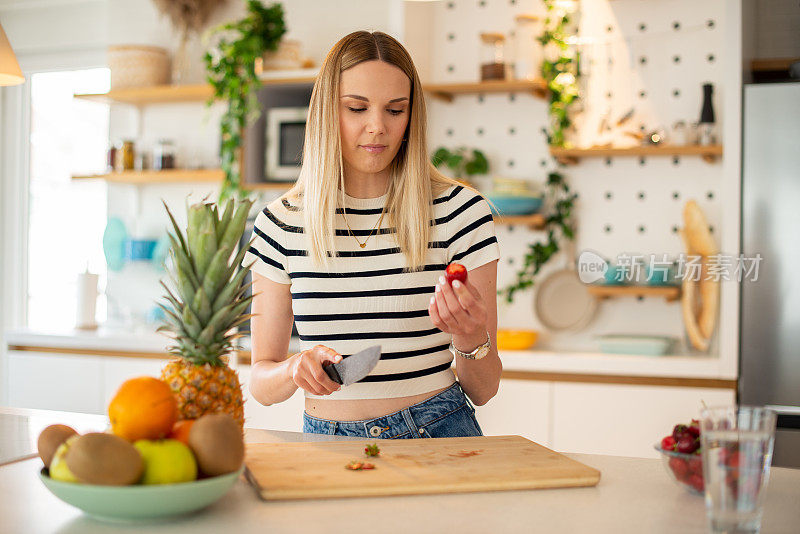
527,50
112,157
493,64
125,155
164,155
706,130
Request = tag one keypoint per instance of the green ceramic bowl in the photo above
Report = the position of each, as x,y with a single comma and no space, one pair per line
140,503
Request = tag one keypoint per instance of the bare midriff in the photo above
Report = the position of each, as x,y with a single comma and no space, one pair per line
361,409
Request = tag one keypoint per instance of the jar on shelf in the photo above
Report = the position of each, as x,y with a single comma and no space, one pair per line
493,57
527,50
142,161
111,160
125,155
164,155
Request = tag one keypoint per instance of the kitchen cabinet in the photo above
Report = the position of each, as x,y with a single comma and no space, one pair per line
287,415
521,407
68,382
624,420
565,416
71,382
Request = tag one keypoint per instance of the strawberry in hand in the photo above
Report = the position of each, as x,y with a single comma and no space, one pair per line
455,271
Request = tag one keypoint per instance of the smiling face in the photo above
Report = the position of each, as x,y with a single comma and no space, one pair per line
374,107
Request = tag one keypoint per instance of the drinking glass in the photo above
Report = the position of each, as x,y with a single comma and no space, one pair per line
737,444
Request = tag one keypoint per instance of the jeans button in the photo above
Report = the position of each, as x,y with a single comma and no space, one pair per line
421,430
375,431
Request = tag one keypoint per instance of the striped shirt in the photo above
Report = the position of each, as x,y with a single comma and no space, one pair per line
366,299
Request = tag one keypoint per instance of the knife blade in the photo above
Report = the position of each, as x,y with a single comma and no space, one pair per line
354,367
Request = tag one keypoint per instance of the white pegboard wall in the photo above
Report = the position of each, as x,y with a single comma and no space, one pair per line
653,56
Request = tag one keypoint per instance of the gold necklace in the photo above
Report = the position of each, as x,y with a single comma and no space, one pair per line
364,244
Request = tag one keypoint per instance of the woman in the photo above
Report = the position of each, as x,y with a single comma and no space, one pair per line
366,275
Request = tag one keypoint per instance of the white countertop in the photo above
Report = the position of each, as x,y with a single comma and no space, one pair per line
145,339
634,495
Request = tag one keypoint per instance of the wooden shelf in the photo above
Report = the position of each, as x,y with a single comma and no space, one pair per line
158,177
162,94
159,94
178,176
268,186
571,156
165,94
773,64
534,222
670,293
448,91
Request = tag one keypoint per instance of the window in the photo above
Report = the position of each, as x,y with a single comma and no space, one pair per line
67,217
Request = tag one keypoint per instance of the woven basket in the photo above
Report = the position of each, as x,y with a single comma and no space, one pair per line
288,56
138,66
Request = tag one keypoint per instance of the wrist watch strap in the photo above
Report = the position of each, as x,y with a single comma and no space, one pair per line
477,354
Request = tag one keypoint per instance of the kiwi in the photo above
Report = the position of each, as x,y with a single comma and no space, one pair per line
105,459
49,440
217,443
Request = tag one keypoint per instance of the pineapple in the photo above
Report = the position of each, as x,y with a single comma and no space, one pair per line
208,303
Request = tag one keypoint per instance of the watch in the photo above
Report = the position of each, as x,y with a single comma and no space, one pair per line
476,354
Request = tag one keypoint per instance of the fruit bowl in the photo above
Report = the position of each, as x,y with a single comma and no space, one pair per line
685,469
138,502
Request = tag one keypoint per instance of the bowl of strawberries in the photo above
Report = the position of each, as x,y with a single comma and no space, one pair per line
682,458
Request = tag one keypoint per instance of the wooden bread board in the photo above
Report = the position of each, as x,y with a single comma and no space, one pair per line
316,470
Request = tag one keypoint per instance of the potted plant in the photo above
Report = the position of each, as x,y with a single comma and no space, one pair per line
461,161
230,66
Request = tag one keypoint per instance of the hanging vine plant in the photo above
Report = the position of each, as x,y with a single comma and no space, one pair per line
560,71
558,225
230,68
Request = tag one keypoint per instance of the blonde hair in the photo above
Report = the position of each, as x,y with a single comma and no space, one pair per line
414,181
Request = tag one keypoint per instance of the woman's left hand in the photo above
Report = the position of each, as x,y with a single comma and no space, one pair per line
458,310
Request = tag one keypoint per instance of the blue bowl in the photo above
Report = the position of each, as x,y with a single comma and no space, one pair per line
141,249
514,205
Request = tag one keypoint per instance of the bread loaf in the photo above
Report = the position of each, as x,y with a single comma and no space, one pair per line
698,235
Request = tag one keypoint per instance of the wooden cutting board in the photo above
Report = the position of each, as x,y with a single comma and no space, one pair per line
316,470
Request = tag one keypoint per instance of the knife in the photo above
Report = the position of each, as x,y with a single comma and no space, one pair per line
354,367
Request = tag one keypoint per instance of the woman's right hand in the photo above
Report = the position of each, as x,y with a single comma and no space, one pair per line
308,374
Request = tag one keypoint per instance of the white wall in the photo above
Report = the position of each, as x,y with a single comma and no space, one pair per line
39,29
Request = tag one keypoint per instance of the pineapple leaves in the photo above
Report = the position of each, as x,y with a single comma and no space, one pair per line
176,227
225,220
205,302
217,269
236,227
202,306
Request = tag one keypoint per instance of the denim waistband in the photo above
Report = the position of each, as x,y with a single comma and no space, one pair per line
400,423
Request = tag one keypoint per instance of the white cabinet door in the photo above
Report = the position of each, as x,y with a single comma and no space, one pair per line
286,415
521,407
67,382
624,420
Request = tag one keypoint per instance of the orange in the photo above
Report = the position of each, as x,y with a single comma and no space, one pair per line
143,408
181,431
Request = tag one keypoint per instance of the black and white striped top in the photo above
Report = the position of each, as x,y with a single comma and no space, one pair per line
366,299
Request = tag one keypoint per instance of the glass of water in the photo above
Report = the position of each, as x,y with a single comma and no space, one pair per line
737,446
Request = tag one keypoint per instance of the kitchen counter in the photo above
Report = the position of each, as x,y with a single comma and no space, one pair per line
696,371
634,495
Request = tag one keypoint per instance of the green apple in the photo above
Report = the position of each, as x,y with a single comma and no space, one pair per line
58,466
166,461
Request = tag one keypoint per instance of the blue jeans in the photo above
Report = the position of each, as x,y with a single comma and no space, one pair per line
447,414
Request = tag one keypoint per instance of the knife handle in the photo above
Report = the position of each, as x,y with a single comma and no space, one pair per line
333,373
